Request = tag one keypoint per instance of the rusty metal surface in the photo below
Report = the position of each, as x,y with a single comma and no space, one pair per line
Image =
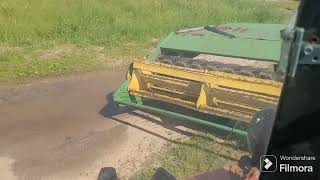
205,64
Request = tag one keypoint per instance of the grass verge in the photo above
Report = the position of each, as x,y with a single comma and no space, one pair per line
21,64
199,154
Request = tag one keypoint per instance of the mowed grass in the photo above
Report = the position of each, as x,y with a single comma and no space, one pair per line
23,64
195,156
124,28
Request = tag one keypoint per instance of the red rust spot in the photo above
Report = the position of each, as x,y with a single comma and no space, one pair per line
244,30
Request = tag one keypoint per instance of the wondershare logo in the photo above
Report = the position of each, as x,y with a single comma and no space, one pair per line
268,163
287,164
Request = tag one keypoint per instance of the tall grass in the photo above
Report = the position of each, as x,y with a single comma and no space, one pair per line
113,22
124,28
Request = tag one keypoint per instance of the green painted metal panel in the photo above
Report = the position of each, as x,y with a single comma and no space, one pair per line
254,30
122,97
258,42
154,54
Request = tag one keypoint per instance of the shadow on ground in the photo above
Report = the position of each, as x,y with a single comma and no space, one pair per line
111,111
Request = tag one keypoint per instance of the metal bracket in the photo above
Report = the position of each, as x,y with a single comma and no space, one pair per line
294,54
287,36
295,51
310,54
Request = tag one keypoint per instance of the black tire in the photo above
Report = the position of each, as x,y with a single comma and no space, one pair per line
107,173
259,132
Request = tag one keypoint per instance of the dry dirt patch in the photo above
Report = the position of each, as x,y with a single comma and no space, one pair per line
53,130
144,139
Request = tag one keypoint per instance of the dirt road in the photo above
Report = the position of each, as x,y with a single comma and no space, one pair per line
67,129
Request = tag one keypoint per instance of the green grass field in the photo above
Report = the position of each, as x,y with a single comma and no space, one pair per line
43,38
114,22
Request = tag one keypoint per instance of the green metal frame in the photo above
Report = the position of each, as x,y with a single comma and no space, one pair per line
122,97
252,41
